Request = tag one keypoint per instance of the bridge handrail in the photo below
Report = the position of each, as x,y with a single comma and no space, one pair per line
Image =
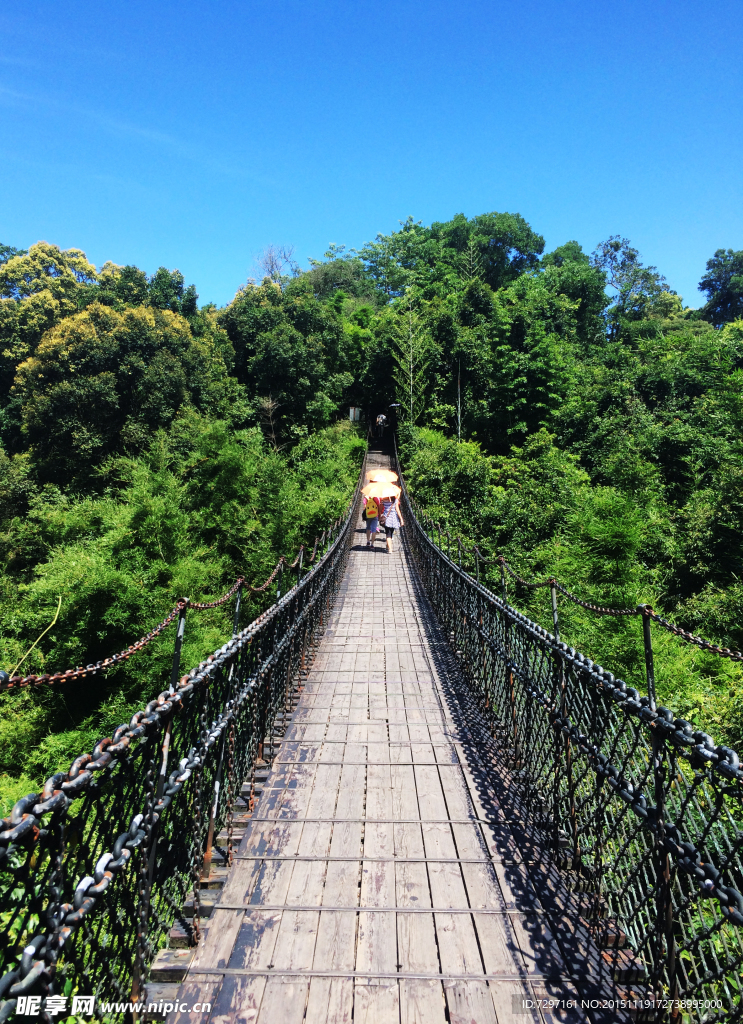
643,809
14,682
173,773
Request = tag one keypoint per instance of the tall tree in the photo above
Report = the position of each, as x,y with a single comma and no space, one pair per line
45,267
638,289
723,284
411,353
505,243
167,291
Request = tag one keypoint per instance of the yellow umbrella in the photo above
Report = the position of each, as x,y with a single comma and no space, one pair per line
382,476
380,490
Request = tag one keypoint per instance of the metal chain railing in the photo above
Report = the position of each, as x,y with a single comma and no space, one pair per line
86,899
643,809
14,682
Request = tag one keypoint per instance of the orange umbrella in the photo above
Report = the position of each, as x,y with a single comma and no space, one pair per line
382,476
380,490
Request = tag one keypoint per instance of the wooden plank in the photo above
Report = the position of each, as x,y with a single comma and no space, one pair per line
262,881
458,947
468,1002
376,949
295,943
538,945
283,1000
376,1003
422,1002
404,796
322,801
238,1000
216,949
200,988
336,935
256,939
498,944
514,1004
330,1001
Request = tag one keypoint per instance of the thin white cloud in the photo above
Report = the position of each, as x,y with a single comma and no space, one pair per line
122,129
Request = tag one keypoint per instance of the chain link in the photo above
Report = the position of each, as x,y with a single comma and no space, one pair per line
82,672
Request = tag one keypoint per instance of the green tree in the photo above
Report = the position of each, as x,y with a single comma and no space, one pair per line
293,351
167,290
507,246
411,354
7,251
45,267
100,381
568,271
38,289
640,292
723,284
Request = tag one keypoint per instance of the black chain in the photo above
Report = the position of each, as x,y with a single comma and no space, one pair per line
62,858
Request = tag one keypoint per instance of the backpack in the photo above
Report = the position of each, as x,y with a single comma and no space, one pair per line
372,509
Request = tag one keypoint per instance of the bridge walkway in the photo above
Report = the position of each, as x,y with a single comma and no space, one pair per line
383,878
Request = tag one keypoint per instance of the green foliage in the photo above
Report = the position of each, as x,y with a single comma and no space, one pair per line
7,251
293,349
640,292
204,504
101,381
45,268
539,508
602,425
723,283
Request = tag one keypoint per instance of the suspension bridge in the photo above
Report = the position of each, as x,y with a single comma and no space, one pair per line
390,798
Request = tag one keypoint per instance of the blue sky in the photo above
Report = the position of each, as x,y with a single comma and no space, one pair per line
191,135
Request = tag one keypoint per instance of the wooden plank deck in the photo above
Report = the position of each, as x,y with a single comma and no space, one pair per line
379,880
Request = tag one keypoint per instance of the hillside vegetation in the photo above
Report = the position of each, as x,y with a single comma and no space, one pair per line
565,409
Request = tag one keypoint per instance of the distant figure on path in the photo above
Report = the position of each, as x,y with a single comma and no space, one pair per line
381,424
391,519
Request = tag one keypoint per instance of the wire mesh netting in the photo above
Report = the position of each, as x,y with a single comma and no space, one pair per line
644,811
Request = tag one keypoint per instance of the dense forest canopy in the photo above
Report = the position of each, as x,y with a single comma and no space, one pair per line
564,408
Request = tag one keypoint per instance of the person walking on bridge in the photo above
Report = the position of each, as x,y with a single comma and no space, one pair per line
391,518
372,509
381,424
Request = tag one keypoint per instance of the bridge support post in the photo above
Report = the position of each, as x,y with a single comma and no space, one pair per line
206,865
665,951
559,744
512,700
149,853
236,618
